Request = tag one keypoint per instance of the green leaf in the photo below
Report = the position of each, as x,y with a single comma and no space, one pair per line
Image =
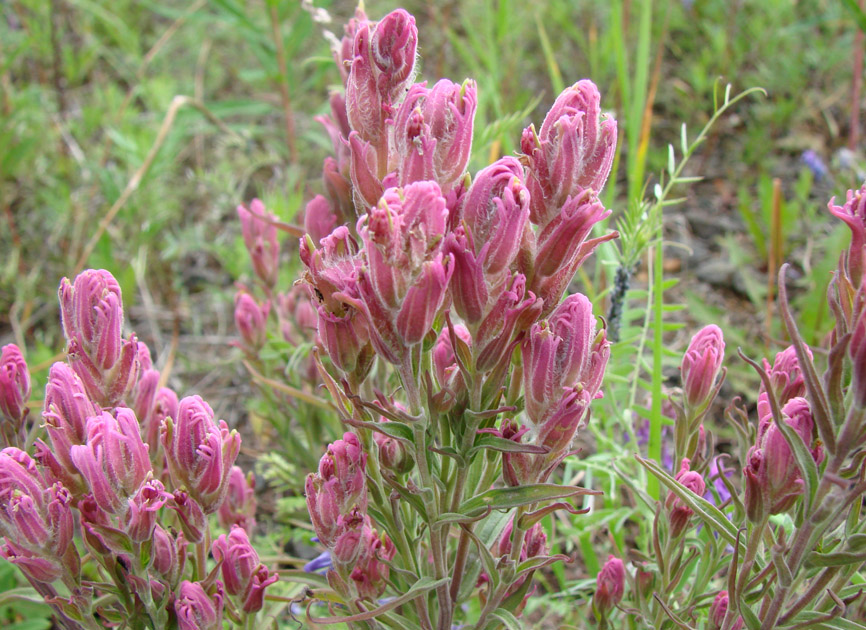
508,619
507,498
420,587
496,443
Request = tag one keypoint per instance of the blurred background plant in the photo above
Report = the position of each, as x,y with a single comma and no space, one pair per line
130,132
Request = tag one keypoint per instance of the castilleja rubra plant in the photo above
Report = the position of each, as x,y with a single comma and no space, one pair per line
462,370
124,476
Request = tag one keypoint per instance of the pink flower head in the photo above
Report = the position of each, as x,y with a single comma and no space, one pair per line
563,351
339,486
610,586
244,576
701,364
679,513
239,507
92,313
572,152
853,213
114,460
383,64
433,132
563,245
786,377
251,319
513,312
495,211
370,572
261,240
444,360
35,517
196,610
199,452
773,479
14,384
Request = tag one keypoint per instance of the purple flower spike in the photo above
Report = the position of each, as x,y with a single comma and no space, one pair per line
701,365
14,384
244,576
196,610
260,238
199,452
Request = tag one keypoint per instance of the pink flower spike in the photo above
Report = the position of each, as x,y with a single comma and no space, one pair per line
701,365
610,587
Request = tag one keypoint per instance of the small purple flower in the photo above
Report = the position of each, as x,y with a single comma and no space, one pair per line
814,163
320,564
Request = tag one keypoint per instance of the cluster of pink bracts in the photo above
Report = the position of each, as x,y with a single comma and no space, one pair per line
132,473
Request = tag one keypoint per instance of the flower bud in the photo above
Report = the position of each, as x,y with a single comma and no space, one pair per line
679,513
196,610
445,362
143,509
610,586
240,564
785,376
191,517
239,507
164,406
370,574
319,218
66,409
260,238
251,320
347,545
853,213
700,367
114,461
14,384
338,190
393,454
199,452
392,49
495,211
718,611
509,317
255,599
92,313
433,132
573,151
168,555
